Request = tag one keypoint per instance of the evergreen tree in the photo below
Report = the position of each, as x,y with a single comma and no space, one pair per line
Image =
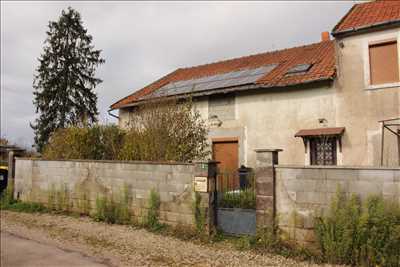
65,79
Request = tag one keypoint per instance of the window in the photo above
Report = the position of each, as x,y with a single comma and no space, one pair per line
383,63
323,151
299,69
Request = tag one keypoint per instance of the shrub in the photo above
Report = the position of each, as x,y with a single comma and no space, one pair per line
153,212
245,199
165,130
360,233
95,142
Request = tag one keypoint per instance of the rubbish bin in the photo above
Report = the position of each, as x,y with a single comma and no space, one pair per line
243,176
3,178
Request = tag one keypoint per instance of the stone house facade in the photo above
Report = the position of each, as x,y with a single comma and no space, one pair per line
321,103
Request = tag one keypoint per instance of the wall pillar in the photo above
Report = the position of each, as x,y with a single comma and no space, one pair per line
208,200
265,186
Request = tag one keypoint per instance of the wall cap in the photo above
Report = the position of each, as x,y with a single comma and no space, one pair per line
111,161
337,167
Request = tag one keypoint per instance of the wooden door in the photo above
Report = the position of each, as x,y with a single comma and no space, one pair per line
227,153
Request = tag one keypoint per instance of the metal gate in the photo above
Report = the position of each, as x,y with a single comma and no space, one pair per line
236,202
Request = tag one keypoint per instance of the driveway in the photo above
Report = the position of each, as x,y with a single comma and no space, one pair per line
18,251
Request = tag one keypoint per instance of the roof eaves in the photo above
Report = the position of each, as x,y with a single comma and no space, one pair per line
361,29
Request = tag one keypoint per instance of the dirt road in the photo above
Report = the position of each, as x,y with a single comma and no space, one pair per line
116,245
17,251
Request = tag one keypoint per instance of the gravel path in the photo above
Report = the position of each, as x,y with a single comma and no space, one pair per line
125,246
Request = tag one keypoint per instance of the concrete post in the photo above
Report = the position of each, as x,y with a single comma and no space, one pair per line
265,186
209,170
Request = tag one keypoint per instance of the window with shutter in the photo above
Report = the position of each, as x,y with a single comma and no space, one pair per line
384,63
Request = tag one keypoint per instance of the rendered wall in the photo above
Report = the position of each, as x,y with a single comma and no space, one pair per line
359,106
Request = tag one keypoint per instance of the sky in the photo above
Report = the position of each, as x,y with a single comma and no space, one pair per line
142,41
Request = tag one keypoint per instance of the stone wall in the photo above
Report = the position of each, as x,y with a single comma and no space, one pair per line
173,181
303,192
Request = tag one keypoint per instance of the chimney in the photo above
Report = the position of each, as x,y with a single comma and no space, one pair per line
325,36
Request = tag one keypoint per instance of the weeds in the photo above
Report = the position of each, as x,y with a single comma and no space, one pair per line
359,233
199,214
153,212
111,211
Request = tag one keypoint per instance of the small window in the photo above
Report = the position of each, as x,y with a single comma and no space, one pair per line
383,63
323,151
299,69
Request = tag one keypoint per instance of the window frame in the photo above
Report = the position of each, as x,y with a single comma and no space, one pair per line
376,40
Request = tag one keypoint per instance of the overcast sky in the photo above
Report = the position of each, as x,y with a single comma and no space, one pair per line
142,41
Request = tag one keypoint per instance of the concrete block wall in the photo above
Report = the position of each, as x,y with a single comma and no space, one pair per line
304,192
173,181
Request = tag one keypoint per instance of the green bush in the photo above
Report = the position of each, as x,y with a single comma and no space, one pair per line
360,233
245,199
153,212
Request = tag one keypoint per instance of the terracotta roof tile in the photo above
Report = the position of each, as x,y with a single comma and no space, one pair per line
320,55
367,15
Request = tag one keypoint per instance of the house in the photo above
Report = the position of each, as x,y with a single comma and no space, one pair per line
321,103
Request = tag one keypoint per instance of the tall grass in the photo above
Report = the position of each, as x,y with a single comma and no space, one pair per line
112,208
360,233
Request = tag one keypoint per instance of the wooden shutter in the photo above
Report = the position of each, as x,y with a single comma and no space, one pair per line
384,63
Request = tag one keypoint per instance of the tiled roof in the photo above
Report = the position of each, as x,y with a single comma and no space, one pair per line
320,55
367,15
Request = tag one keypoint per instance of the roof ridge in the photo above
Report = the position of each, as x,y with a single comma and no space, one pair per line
256,54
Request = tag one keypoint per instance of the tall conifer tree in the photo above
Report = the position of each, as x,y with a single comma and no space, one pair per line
65,80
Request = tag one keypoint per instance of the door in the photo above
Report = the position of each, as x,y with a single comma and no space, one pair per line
227,154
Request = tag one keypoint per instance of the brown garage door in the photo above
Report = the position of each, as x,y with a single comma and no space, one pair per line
226,152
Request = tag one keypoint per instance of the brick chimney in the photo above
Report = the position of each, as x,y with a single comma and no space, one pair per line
325,36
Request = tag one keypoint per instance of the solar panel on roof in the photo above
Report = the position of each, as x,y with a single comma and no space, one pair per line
229,79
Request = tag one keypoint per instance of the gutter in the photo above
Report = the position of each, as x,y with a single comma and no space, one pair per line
366,28
225,91
112,115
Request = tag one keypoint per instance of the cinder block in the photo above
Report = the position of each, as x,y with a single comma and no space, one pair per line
391,188
342,174
376,175
313,173
265,188
365,188
265,174
311,197
264,202
333,185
